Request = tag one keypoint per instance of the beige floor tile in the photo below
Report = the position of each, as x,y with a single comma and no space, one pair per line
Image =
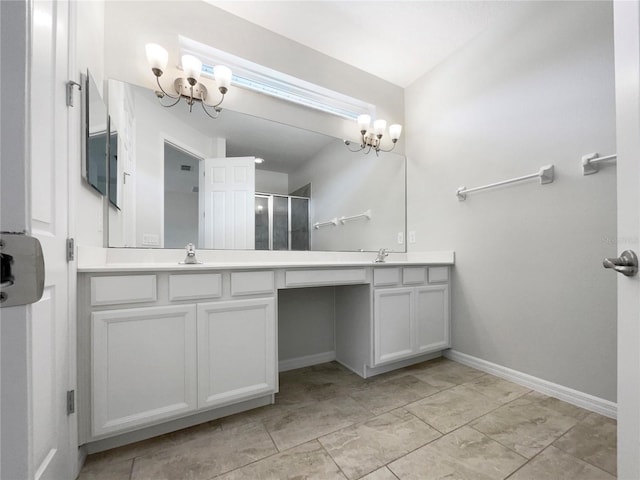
463,454
114,470
257,414
526,427
207,455
330,403
592,440
309,461
304,424
452,408
326,374
497,389
362,448
380,397
105,460
155,444
554,404
554,464
381,474
446,374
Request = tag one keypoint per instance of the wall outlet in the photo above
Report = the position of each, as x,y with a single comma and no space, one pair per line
412,236
150,239
400,238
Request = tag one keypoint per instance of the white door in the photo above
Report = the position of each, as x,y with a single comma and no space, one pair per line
227,203
35,349
627,58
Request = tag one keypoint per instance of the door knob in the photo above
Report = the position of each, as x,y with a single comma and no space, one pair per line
627,263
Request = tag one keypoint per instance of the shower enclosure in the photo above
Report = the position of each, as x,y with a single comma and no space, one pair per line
282,222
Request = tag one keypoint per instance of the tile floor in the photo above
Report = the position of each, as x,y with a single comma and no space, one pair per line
434,420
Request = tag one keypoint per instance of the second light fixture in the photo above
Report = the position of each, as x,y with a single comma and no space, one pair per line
371,138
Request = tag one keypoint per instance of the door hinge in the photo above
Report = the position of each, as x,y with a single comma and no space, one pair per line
70,85
71,249
71,402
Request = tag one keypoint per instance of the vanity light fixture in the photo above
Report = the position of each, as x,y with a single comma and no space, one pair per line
371,138
188,87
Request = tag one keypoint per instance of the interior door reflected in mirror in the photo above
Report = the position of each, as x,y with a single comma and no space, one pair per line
199,181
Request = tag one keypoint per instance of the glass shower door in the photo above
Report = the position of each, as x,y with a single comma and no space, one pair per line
280,223
262,223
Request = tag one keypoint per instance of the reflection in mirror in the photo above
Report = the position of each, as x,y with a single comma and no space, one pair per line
113,164
95,137
196,180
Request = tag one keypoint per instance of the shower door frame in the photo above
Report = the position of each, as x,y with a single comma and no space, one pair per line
270,197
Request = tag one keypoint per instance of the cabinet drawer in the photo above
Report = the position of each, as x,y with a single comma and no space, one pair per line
196,286
123,289
386,276
414,275
251,283
299,278
438,274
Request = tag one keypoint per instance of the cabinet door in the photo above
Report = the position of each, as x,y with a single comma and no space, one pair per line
236,351
431,318
143,366
393,312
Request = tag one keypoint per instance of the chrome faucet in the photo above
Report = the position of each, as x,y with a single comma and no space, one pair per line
382,254
191,259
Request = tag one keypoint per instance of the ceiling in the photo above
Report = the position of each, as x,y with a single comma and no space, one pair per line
398,41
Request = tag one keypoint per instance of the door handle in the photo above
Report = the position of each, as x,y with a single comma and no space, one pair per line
22,269
626,263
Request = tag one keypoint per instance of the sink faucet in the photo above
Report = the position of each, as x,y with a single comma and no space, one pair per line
382,254
191,254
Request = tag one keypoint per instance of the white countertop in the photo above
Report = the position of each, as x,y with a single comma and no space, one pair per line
97,260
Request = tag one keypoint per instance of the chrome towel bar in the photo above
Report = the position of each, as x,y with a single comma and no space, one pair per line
545,174
366,215
333,221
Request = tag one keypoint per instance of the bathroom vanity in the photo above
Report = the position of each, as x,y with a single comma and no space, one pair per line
163,346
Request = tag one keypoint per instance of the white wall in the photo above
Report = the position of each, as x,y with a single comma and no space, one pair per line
529,291
272,182
363,182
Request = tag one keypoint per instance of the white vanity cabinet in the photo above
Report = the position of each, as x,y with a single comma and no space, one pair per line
410,312
160,350
164,346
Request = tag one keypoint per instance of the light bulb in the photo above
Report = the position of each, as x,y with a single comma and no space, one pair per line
222,76
259,160
192,68
157,57
363,122
379,126
394,131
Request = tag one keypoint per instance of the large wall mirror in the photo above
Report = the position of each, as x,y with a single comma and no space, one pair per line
185,178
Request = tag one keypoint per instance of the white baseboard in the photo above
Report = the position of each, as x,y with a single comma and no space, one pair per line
306,361
569,395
